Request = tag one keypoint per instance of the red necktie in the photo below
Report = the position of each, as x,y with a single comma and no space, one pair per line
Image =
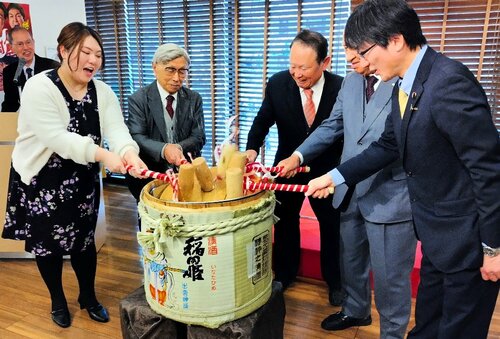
370,86
309,109
170,109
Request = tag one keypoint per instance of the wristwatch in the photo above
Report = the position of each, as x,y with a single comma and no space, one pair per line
491,252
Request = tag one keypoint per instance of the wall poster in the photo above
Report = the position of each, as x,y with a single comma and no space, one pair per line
11,14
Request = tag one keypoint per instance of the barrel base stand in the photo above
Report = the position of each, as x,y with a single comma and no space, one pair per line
138,320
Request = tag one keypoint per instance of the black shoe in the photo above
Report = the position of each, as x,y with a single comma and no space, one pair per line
340,321
61,317
284,283
97,313
336,297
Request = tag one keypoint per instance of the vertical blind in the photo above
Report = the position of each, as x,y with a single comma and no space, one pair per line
234,46
468,31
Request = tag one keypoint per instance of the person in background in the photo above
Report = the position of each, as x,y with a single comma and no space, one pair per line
53,197
16,15
165,118
6,55
441,129
376,228
24,46
297,101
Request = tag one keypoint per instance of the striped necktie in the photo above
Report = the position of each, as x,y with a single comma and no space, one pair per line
309,109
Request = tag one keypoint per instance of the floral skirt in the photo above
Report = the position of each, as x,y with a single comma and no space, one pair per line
57,212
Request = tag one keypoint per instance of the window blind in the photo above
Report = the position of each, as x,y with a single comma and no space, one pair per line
468,31
234,46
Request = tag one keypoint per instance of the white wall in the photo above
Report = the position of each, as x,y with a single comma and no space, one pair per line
49,17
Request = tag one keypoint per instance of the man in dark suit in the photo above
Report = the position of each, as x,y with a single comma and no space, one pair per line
441,129
24,46
376,228
297,111
166,118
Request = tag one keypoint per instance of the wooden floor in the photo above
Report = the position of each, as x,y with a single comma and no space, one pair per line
25,303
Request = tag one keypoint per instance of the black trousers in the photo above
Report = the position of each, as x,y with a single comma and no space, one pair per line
286,255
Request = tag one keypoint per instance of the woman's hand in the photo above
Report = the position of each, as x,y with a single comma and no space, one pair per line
110,160
131,158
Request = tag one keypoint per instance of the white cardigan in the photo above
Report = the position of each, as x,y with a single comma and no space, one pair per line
43,122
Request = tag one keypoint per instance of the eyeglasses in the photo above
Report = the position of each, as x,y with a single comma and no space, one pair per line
363,53
182,72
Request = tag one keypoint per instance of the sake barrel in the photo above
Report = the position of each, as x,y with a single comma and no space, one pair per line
206,263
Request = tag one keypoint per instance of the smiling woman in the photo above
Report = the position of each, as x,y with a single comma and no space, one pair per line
54,190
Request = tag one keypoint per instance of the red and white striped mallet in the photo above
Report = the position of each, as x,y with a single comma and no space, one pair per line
252,186
257,167
169,176
151,174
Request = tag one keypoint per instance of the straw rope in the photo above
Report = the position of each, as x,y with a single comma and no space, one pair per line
174,225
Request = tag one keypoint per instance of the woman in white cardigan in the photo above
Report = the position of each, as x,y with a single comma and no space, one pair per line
53,197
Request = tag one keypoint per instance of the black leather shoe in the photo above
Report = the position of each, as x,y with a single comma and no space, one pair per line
98,313
340,321
61,317
284,283
336,297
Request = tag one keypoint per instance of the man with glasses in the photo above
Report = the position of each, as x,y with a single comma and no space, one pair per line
441,128
166,118
297,100
376,227
23,45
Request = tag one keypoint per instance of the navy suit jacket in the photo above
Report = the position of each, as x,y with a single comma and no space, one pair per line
11,100
282,106
451,154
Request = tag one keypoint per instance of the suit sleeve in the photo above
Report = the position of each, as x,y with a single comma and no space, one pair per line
263,121
11,92
196,139
378,155
137,124
475,141
326,134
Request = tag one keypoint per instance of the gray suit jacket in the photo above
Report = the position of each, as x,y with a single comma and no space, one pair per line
147,126
383,197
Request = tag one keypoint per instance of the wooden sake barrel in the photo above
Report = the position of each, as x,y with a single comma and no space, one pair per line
206,263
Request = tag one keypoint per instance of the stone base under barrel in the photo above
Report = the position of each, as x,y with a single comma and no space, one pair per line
138,320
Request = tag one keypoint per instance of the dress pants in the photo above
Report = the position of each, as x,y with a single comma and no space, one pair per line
389,250
286,255
453,305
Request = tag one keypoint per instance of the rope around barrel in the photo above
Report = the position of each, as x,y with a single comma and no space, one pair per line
174,225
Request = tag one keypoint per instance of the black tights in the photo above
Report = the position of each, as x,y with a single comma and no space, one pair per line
84,264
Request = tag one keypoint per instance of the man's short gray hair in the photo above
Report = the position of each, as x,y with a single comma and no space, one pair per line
169,52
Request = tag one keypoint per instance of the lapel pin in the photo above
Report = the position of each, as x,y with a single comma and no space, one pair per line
414,95
413,109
